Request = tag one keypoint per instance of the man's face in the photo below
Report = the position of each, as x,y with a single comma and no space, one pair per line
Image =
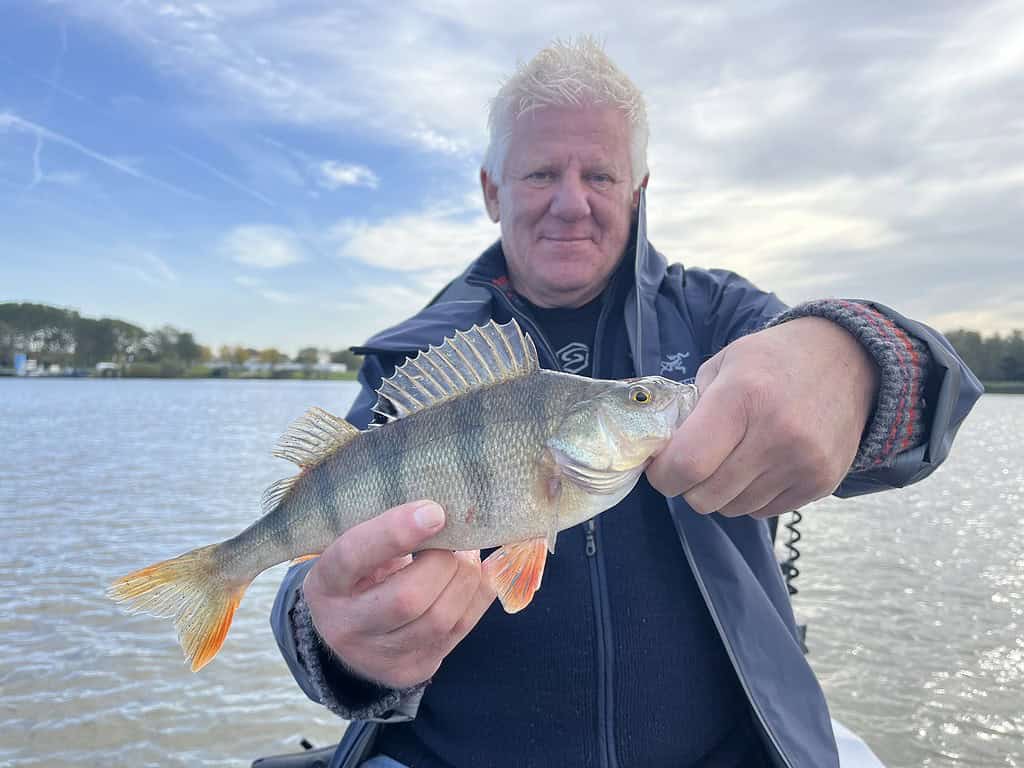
565,203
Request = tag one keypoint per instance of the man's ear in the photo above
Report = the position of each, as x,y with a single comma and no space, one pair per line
490,190
636,192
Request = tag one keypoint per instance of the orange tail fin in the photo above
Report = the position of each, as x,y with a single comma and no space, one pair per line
190,589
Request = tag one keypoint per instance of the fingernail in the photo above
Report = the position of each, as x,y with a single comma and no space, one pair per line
429,516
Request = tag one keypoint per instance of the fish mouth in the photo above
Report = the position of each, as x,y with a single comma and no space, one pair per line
684,401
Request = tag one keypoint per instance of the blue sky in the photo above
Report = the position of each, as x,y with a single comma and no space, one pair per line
287,174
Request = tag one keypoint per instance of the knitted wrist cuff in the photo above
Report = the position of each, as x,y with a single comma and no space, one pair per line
897,423
338,688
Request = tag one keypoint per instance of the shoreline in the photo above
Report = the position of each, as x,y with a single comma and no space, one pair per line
347,376
1003,387
991,387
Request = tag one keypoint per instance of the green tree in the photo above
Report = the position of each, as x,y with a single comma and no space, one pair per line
186,349
272,355
308,356
95,341
348,357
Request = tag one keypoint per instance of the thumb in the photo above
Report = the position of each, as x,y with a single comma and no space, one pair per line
371,548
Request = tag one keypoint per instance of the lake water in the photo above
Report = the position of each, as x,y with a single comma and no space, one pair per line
914,599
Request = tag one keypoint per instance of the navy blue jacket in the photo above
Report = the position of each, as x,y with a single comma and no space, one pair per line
674,319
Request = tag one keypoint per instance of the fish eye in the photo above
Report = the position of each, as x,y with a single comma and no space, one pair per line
639,394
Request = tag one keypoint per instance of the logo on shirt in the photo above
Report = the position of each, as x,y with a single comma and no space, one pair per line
674,363
574,357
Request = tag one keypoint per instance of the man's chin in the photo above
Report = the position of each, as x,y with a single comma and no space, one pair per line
582,248
565,289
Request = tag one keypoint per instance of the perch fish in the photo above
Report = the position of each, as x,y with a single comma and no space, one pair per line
512,452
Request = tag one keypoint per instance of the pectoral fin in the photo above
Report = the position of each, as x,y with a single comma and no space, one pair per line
515,571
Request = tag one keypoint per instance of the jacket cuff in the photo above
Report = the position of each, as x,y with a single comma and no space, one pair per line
897,423
345,693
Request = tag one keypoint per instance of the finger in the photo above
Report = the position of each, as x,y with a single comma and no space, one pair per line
360,551
701,443
407,594
731,479
381,573
785,502
435,625
478,605
755,496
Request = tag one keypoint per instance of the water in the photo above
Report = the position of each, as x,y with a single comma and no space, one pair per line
915,599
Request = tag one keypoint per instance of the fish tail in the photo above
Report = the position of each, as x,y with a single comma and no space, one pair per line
193,590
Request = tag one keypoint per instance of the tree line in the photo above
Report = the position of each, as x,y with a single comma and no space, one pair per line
58,336
53,335
992,358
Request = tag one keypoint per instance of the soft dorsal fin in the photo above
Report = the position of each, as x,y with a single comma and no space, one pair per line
470,360
313,437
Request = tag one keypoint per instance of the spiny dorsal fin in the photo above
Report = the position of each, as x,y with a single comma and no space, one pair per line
471,360
313,437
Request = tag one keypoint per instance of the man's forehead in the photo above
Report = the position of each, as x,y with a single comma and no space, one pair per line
593,132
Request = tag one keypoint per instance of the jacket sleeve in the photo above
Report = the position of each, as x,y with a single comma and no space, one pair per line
319,673
724,307
950,391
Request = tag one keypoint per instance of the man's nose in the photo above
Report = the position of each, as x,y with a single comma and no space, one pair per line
570,199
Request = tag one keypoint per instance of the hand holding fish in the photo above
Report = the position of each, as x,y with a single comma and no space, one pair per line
777,425
389,618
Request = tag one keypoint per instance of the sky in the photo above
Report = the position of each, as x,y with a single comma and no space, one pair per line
290,174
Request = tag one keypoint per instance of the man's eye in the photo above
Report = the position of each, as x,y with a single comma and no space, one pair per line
541,176
601,178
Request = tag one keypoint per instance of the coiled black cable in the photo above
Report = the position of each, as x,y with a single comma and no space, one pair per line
789,568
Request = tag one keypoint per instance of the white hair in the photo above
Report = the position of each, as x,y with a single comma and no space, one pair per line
567,74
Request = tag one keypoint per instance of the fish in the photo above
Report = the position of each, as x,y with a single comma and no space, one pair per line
512,452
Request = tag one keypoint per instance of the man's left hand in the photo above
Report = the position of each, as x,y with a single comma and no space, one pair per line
778,423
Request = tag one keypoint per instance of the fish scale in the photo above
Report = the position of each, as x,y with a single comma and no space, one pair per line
513,453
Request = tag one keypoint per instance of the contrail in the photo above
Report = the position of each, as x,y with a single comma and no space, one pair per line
58,66
225,178
13,122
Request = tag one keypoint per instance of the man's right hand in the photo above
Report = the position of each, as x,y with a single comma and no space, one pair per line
388,617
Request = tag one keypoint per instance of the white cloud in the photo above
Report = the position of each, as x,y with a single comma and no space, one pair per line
812,147
260,288
1000,318
262,246
435,142
159,267
395,75
334,175
427,241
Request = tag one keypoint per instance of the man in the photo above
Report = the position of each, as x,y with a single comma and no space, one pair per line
663,634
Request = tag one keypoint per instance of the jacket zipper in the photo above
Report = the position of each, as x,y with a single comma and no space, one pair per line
598,579
605,654
728,646
602,608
